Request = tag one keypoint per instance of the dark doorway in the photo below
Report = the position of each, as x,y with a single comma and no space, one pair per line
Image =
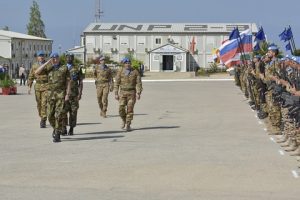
168,62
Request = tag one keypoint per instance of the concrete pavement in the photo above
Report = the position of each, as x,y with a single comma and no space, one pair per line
191,140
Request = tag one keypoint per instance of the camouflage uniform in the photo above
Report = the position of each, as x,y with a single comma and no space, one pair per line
40,88
104,83
72,105
129,83
58,78
273,107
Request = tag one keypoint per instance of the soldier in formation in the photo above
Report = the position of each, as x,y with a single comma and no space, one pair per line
273,88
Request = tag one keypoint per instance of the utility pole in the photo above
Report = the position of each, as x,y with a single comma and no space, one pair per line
98,12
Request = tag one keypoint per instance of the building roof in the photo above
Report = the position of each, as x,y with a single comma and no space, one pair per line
169,48
168,27
11,34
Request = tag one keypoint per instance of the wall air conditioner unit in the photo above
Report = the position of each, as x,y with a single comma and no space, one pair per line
114,37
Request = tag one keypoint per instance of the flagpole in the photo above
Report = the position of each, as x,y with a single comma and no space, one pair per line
292,39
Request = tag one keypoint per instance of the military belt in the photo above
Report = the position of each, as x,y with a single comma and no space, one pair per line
41,82
127,89
101,82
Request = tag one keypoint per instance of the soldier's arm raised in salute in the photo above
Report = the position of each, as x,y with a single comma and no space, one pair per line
40,69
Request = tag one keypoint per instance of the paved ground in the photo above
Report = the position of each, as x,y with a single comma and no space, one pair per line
191,140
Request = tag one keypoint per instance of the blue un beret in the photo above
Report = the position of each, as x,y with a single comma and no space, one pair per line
54,55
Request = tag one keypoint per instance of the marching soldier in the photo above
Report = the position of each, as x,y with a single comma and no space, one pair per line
76,85
128,88
58,92
104,84
40,87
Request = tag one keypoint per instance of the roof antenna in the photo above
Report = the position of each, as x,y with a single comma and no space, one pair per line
98,12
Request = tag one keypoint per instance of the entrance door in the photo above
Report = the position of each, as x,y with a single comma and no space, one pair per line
168,62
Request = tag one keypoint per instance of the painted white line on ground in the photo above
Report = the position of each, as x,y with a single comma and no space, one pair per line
272,139
173,80
281,152
295,174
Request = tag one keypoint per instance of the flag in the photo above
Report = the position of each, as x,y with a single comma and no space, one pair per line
192,46
260,35
288,47
289,34
256,47
234,34
286,35
246,41
231,50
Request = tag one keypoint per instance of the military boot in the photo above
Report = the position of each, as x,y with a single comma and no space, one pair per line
56,136
71,131
65,131
43,123
104,114
282,139
293,146
287,143
123,124
128,128
296,152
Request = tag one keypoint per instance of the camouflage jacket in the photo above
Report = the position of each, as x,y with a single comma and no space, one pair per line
272,69
75,79
58,78
41,79
103,76
129,82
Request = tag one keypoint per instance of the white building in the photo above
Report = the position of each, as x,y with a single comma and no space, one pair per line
20,48
161,46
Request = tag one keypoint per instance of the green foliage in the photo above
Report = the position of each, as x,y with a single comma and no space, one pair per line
63,60
297,52
6,82
264,49
36,26
135,63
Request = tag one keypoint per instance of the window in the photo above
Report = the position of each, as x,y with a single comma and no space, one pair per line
12,47
157,40
141,40
124,40
107,40
34,47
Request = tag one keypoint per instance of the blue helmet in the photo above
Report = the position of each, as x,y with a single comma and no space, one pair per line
54,55
126,60
272,47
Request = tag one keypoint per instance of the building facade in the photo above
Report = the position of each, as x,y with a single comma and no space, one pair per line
162,47
20,48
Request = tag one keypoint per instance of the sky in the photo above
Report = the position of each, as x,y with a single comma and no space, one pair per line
65,20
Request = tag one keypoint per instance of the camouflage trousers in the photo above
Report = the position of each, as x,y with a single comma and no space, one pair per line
244,85
102,96
56,102
71,107
273,110
288,124
127,101
41,100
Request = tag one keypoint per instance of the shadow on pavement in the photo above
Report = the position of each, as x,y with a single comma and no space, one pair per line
83,124
108,116
100,133
156,127
90,138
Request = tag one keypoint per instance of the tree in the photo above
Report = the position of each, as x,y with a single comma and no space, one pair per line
36,26
5,28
